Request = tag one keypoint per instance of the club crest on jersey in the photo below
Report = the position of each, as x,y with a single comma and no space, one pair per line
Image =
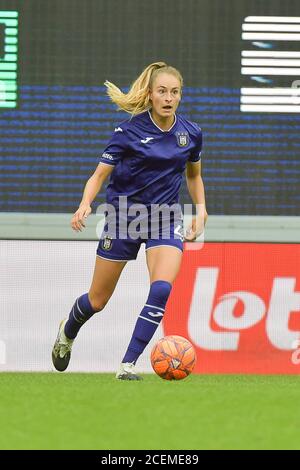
182,139
107,243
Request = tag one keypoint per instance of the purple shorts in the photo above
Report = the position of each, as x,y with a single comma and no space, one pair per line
116,249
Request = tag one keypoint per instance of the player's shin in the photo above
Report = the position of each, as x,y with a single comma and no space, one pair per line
148,320
82,311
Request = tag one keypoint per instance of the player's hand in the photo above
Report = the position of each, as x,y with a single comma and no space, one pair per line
77,222
195,229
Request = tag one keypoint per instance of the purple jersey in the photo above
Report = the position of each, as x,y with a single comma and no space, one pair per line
149,162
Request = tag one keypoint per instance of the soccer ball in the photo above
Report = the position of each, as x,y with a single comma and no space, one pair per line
173,358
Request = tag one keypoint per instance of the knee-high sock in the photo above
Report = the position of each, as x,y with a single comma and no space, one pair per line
81,311
148,320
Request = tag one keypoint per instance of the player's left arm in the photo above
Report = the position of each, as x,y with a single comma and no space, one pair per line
196,190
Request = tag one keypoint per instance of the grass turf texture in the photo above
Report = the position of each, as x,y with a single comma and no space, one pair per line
95,411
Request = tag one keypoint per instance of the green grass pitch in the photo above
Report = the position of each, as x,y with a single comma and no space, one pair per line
95,411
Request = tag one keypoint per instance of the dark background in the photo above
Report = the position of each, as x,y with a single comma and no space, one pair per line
50,144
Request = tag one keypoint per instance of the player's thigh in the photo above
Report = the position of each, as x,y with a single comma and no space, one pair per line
163,263
105,279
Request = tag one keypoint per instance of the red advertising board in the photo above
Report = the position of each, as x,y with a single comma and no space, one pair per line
239,305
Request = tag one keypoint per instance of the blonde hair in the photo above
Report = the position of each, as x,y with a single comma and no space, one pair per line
137,99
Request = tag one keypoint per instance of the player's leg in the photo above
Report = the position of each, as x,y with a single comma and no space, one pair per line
163,265
105,278
163,262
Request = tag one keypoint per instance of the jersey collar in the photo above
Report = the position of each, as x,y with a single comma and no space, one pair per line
159,127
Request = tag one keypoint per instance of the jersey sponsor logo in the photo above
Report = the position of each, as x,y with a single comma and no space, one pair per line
182,139
107,243
118,129
146,140
107,156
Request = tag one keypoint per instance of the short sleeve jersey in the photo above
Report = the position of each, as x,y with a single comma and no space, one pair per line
149,162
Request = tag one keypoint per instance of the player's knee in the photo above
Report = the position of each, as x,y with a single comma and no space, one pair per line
160,291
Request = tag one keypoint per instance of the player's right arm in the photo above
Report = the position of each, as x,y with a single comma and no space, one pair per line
91,190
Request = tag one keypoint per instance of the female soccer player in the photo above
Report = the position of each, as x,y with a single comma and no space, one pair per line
145,159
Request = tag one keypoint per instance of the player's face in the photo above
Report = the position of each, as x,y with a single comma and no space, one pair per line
165,95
